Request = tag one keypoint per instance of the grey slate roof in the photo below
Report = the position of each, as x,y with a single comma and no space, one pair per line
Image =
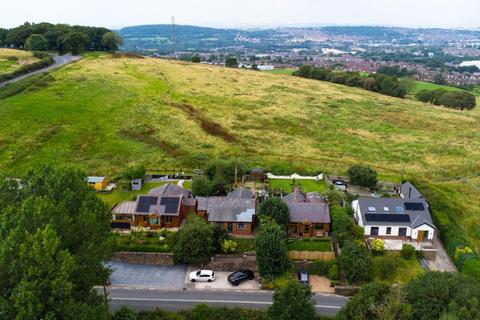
169,190
408,191
384,211
227,209
242,193
307,207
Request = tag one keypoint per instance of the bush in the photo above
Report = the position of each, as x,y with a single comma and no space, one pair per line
356,261
471,268
386,267
378,246
321,267
408,251
363,176
125,313
202,186
195,241
229,246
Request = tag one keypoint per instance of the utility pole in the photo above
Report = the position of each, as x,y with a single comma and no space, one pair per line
236,170
174,37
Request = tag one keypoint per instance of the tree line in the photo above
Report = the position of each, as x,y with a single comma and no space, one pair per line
451,99
59,37
380,83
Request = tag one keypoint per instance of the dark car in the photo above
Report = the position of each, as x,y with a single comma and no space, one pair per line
303,277
239,276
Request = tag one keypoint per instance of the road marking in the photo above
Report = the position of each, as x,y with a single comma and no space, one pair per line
211,301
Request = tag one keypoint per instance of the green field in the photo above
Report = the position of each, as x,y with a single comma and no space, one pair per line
8,65
423,85
307,185
103,114
405,270
322,245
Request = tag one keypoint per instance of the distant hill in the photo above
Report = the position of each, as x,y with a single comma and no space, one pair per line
193,38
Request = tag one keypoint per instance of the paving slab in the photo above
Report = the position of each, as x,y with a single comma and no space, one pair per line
221,283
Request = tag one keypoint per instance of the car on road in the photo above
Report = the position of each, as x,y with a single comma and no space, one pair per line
202,276
303,277
239,276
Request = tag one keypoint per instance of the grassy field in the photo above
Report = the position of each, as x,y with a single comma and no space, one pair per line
103,114
404,271
307,185
8,65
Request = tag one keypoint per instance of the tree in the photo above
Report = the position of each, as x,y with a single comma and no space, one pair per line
439,79
231,62
425,96
271,249
111,41
194,242
16,37
408,251
356,261
222,173
344,227
54,242
436,293
294,302
471,267
196,58
277,209
36,42
202,186
75,42
363,176
378,246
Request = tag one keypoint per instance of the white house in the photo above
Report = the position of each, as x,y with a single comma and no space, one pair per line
395,218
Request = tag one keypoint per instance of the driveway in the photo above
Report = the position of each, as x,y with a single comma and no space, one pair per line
162,277
58,62
221,283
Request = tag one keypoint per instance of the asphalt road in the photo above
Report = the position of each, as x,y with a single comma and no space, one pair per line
143,299
59,61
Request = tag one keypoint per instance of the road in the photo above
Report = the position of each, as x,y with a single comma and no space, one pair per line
59,61
143,299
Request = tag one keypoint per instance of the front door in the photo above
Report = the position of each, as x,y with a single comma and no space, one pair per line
229,227
422,235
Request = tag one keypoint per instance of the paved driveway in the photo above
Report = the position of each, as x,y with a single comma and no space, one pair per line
221,283
160,277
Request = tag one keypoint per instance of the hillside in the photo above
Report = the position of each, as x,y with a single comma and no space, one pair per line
105,113
11,59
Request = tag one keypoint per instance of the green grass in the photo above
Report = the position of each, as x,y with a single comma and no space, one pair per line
322,245
281,71
245,245
104,114
120,195
141,241
405,271
278,282
307,185
423,85
7,65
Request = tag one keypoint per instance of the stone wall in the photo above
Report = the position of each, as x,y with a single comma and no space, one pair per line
231,262
157,259
346,290
311,255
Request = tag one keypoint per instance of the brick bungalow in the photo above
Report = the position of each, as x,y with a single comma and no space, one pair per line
235,213
163,207
309,215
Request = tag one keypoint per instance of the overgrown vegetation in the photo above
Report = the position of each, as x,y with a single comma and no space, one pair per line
452,99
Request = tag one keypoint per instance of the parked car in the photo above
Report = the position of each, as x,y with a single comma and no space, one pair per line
202,276
239,276
303,277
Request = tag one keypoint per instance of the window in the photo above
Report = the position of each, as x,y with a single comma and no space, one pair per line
168,219
306,228
389,230
372,209
386,209
402,232
374,231
241,226
154,220
320,227
399,209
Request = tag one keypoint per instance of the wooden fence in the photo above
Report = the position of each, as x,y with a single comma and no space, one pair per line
311,255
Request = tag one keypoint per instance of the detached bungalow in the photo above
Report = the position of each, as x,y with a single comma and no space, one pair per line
235,213
394,218
309,215
163,207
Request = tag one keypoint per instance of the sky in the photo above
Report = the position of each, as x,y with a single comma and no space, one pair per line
245,13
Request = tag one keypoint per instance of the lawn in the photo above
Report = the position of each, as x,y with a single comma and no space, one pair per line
282,71
424,85
404,271
120,195
322,245
103,114
142,241
307,185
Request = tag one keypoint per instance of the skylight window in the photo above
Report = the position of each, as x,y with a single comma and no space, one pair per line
386,209
372,209
399,209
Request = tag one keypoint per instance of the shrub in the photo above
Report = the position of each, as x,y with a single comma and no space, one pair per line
378,246
386,267
125,313
229,246
408,251
321,267
471,267
356,261
363,176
